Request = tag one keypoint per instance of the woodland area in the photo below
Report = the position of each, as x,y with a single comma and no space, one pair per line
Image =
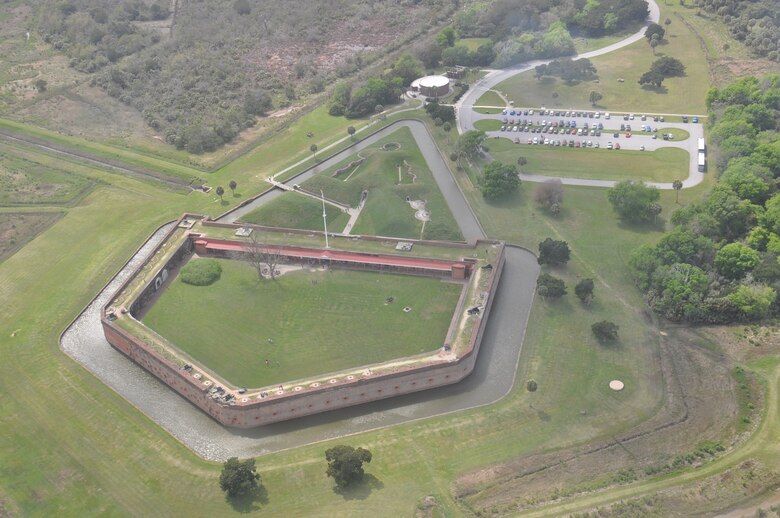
226,61
755,22
720,262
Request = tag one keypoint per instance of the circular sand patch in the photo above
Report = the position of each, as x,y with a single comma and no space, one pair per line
616,385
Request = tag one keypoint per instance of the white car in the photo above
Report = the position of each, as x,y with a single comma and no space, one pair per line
641,148
630,116
536,140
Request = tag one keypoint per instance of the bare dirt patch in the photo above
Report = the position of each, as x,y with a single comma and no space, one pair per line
17,229
700,405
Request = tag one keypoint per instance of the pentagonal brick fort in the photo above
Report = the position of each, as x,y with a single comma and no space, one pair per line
476,267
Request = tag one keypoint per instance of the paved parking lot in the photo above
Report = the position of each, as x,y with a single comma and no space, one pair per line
637,139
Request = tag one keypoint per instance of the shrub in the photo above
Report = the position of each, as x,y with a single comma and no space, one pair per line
201,272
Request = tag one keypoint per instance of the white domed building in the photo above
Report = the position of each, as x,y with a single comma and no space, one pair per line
431,86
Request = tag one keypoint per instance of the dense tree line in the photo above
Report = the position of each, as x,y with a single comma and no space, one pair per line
756,22
720,262
567,69
95,33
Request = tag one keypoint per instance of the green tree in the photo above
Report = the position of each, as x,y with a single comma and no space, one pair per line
239,478
313,148
735,260
408,68
233,184
553,252
447,127
469,144
668,22
654,42
446,37
584,290
220,193
653,29
550,286
345,464
594,97
677,185
41,84
632,200
605,331
351,131
652,78
753,301
668,67
498,180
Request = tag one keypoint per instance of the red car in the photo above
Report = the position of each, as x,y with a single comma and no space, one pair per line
628,134
617,146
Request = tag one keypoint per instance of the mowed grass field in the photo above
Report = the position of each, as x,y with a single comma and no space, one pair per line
23,182
662,165
490,98
684,95
318,321
291,210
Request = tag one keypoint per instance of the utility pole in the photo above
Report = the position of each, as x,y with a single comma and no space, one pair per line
324,219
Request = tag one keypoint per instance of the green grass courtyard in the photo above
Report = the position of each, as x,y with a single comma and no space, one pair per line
318,321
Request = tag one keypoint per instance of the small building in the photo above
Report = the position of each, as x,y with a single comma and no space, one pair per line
431,86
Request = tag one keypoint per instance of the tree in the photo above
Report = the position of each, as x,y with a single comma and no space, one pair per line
654,29
668,67
469,144
262,256
379,108
549,286
654,43
498,180
652,78
239,478
605,331
531,386
594,97
632,200
351,131
521,161
313,148
447,127
549,193
584,290
668,22
233,184
345,464
677,185
655,209
446,38
735,259
41,84
553,252
220,193
408,68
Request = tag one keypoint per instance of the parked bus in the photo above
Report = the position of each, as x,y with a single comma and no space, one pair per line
702,162
702,149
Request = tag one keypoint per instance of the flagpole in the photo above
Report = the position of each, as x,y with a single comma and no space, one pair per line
324,219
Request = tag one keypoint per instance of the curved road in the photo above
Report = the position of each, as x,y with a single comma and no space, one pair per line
465,117
491,380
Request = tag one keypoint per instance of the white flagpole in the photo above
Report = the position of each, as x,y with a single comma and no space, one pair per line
324,219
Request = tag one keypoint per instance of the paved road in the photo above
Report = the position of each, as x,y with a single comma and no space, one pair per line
690,145
460,209
491,380
463,108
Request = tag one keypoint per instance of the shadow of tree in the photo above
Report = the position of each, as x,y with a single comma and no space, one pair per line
249,503
360,490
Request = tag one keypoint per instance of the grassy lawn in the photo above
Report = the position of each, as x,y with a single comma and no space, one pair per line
662,165
292,210
19,228
339,323
679,134
678,95
384,174
488,111
490,98
488,124
23,182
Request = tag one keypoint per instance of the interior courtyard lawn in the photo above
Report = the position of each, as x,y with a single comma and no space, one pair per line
385,175
318,321
663,165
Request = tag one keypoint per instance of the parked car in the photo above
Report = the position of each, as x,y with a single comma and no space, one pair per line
655,136
685,118
696,119
617,146
628,134
616,134
641,148
609,145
